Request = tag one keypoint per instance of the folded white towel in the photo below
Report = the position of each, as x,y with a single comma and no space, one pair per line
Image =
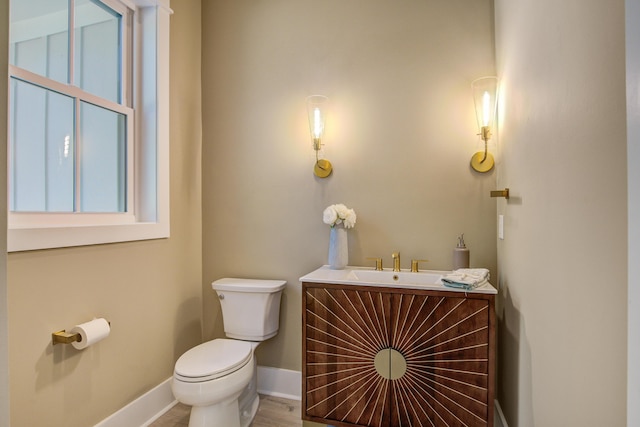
466,278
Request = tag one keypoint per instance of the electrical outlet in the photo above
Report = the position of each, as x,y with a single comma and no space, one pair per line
501,227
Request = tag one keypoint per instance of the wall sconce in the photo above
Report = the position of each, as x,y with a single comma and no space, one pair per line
485,91
317,110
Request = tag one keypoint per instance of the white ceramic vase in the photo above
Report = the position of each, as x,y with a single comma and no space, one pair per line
338,248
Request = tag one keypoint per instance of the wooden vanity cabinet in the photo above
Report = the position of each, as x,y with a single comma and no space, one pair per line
375,356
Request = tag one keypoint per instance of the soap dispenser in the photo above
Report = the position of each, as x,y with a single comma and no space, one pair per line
460,254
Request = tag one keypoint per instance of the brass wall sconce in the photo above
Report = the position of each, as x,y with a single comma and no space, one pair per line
485,91
317,110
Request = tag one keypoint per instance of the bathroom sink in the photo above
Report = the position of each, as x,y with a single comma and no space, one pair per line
366,276
397,277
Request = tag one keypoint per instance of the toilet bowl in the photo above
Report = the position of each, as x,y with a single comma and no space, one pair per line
211,377
218,378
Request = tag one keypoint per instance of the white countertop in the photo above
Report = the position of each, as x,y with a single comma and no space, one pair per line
404,279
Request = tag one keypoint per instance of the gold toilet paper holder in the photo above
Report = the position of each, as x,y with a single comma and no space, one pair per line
64,337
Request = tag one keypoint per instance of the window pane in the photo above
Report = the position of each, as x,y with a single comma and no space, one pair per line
41,144
103,160
39,37
97,53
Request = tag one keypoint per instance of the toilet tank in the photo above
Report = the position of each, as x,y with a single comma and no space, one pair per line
250,307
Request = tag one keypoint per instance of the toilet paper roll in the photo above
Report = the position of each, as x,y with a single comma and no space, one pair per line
90,332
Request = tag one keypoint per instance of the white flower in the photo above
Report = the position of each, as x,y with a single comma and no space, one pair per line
350,219
339,214
329,216
342,210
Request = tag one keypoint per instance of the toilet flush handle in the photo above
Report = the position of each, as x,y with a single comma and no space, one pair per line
220,296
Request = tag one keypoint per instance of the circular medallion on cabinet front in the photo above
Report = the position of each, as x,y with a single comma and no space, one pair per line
390,364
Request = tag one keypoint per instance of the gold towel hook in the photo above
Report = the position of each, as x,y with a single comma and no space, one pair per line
501,193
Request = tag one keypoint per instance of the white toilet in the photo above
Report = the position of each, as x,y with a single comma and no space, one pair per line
218,378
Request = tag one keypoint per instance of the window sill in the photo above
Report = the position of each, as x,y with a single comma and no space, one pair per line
27,239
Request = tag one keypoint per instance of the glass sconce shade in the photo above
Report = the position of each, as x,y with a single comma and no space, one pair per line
485,100
317,112
485,90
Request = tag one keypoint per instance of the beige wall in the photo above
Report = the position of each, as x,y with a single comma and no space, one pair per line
150,291
563,263
400,135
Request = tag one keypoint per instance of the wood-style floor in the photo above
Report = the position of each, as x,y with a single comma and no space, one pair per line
273,412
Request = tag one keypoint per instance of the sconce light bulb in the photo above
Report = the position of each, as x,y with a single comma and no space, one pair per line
486,108
317,123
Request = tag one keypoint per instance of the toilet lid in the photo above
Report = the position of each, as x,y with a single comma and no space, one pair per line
212,359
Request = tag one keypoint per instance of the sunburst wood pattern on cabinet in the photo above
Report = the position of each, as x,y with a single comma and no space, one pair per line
446,340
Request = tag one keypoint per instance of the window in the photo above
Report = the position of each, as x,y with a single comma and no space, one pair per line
88,125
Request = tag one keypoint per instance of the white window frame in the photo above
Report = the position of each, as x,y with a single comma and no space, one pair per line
149,218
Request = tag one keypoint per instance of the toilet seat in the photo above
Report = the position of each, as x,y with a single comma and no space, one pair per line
212,359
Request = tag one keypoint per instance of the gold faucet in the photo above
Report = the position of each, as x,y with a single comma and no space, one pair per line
378,263
396,261
414,264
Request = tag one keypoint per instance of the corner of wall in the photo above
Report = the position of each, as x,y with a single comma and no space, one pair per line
4,339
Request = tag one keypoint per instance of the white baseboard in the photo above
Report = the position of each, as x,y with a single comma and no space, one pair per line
280,382
144,410
271,381
154,403
498,418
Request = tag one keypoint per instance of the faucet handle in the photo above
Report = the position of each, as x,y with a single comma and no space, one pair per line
378,263
396,261
414,264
